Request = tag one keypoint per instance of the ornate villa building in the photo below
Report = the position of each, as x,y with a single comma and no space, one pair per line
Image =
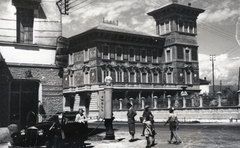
146,69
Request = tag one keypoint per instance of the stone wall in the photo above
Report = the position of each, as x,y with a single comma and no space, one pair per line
188,115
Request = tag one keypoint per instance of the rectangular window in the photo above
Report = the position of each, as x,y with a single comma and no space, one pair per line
86,78
71,59
143,58
105,52
167,27
137,52
154,56
125,54
144,78
155,78
188,79
149,56
187,55
190,27
180,52
119,53
194,54
25,19
105,74
112,53
180,25
149,77
168,56
169,78
132,76
162,29
119,76
185,26
131,52
86,55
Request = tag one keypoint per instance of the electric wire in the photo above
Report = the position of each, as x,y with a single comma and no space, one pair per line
70,7
82,6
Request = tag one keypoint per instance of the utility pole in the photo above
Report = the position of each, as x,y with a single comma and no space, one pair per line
220,86
213,58
238,77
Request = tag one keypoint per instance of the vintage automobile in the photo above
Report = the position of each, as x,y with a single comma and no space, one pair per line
61,126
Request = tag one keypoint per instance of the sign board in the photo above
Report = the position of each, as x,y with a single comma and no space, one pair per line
61,58
101,103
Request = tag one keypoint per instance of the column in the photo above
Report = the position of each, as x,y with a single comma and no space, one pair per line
192,102
238,98
143,102
184,101
155,101
131,101
139,99
201,100
152,104
169,101
157,29
120,103
219,99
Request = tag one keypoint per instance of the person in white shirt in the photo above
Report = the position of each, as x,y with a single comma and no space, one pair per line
80,117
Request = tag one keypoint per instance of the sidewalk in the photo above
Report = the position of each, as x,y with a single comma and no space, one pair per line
121,141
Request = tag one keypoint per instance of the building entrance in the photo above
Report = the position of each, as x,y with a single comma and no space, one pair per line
24,99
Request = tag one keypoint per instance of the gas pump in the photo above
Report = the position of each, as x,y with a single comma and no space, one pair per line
105,108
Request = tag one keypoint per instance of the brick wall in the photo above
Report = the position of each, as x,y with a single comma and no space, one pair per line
52,97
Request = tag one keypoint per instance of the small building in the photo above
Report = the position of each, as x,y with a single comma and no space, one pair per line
145,68
204,85
29,76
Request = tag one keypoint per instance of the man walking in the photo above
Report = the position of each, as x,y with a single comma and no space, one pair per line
131,120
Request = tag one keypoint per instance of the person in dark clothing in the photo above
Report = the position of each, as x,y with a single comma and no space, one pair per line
131,120
31,118
147,114
173,125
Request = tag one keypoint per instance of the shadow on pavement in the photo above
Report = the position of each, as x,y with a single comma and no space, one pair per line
134,140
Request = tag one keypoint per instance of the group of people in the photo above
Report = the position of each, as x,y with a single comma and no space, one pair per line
148,125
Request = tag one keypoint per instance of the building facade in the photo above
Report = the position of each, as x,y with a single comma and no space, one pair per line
29,77
145,68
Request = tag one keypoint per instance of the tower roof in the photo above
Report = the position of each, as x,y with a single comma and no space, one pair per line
176,8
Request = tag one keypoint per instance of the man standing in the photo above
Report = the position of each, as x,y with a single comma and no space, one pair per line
147,114
131,120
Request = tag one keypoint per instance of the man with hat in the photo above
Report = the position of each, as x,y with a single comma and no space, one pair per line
173,125
131,120
147,114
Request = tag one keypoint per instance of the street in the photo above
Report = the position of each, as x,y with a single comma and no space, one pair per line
193,135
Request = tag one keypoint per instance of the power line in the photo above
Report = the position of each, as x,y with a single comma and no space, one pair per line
83,6
76,4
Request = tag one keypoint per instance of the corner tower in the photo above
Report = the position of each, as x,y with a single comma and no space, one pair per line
177,23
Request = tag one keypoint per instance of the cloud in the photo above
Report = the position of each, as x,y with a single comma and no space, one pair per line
221,11
225,68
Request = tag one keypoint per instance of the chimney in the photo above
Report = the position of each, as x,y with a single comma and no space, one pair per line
205,78
174,1
189,4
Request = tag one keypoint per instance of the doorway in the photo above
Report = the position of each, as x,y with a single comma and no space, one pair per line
24,98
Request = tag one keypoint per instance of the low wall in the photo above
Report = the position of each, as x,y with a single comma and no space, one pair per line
218,114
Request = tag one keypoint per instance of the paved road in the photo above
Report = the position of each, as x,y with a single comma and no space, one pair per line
193,135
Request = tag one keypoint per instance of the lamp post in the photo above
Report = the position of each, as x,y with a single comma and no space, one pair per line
184,94
108,113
